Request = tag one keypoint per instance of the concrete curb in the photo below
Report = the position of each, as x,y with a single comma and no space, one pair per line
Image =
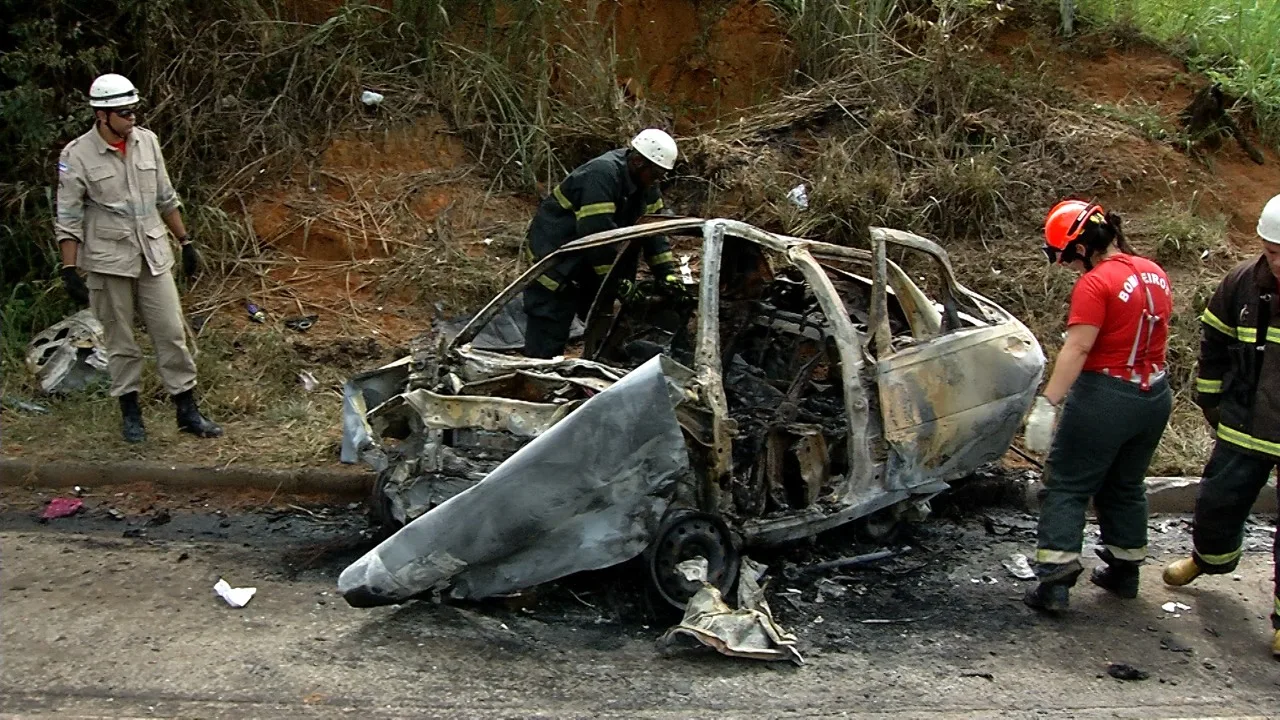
1171,495
356,482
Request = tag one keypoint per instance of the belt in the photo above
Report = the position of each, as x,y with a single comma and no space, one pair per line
1142,380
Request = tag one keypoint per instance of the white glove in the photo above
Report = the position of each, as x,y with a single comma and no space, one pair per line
1040,423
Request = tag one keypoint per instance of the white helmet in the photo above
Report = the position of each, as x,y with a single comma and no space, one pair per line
1269,221
112,91
657,146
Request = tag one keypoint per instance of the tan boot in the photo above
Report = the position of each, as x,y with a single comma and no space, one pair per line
1275,646
1181,572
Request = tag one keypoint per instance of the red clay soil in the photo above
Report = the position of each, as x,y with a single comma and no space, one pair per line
1227,183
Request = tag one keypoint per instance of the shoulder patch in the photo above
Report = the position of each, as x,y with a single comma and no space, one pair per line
62,167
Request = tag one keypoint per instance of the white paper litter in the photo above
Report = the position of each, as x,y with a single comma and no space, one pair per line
309,382
371,98
235,597
799,197
1019,567
1174,607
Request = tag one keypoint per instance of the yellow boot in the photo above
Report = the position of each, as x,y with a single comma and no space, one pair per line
1181,572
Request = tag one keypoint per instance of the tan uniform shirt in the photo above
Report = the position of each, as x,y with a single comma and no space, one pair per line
112,205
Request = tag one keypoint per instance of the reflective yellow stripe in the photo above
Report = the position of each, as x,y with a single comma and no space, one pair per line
1243,334
548,282
1235,437
604,208
560,198
1134,555
1209,387
1212,321
603,269
1223,559
662,259
653,207
1056,557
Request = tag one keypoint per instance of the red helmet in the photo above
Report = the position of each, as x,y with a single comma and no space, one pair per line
1065,224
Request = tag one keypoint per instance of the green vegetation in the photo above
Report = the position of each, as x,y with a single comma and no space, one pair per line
1236,42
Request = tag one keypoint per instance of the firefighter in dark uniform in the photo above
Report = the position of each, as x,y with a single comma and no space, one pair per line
1238,388
611,191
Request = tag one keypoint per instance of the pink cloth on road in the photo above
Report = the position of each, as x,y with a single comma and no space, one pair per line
61,507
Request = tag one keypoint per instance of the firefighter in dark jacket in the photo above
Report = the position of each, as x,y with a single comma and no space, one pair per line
611,191
1238,387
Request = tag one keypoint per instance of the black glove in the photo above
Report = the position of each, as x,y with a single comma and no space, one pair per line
190,261
75,286
1213,416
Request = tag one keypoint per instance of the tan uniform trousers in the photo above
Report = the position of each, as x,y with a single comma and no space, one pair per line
114,300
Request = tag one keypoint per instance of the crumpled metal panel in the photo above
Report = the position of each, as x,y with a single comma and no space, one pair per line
952,404
69,354
426,409
587,494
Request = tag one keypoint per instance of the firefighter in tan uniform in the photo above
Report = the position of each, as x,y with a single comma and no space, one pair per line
115,210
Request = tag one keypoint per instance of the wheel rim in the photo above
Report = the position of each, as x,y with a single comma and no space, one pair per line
684,536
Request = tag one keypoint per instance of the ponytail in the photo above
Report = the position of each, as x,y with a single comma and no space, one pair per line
1113,220
1100,235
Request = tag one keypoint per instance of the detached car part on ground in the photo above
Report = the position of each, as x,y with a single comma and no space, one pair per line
795,387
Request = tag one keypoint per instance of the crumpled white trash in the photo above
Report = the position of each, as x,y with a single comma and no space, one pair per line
235,597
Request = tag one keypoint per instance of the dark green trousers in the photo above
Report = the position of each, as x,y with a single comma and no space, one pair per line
1107,432
1232,480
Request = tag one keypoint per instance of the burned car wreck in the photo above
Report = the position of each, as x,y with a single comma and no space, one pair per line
795,386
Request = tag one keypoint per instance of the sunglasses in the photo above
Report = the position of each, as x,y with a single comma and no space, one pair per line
127,114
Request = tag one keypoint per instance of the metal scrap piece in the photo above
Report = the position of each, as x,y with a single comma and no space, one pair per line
747,632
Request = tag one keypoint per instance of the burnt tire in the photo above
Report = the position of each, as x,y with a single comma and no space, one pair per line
883,527
381,519
684,535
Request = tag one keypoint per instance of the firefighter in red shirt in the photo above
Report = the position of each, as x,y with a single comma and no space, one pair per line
1109,381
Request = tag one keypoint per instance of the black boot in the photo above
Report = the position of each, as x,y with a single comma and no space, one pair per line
189,418
1053,593
132,429
1120,577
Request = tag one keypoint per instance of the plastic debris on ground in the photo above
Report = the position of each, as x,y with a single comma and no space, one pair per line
1019,567
235,597
61,507
309,382
747,632
799,196
1173,607
301,323
69,355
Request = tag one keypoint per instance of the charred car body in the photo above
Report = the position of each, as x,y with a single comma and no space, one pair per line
795,387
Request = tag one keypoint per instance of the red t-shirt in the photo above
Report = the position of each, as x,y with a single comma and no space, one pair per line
1111,298
119,146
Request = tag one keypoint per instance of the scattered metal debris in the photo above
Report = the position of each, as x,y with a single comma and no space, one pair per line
69,355
1124,671
24,406
747,632
855,561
